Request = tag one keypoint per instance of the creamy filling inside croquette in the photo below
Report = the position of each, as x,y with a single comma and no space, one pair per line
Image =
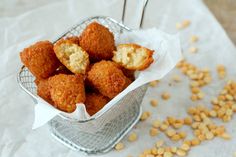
76,56
130,56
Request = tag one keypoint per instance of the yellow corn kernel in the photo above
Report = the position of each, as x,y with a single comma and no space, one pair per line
209,135
193,49
181,152
154,103
132,137
119,146
165,96
225,136
185,147
193,38
195,142
153,132
156,123
188,120
186,23
182,134
170,132
160,151
175,137
173,149
163,127
145,115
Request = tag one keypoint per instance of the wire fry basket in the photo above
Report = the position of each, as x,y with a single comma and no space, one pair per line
102,131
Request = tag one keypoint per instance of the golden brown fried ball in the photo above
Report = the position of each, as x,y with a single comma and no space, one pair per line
107,78
98,41
72,56
133,56
66,91
73,39
95,102
40,59
43,90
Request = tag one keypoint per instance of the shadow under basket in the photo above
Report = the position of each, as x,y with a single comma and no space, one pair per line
105,129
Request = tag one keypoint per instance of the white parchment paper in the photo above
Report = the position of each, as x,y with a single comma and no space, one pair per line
17,139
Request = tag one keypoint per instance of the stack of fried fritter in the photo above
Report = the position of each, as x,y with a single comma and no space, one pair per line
80,69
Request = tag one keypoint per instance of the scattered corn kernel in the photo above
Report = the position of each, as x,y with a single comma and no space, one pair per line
165,96
181,152
145,115
225,136
153,132
154,103
160,151
132,137
193,38
195,142
185,23
119,146
188,121
175,137
182,134
156,123
170,132
163,127
176,78
185,147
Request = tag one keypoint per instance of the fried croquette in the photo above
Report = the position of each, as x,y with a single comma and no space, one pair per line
43,90
133,56
107,78
66,91
40,59
98,41
72,56
73,39
95,102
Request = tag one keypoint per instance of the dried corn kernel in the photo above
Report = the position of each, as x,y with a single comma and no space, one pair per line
163,127
195,142
193,38
176,78
165,96
119,146
154,103
132,137
145,115
156,123
181,152
186,23
154,151
159,143
225,136
185,147
173,149
178,25
170,132
209,135
182,134
153,132
175,137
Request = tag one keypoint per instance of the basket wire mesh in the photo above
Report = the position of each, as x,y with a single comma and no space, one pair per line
102,132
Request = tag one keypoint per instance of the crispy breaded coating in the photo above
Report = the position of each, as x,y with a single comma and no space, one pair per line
73,39
72,56
43,90
40,59
95,102
107,78
98,41
66,91
133,56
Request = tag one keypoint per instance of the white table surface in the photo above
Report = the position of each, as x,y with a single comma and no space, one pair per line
23,22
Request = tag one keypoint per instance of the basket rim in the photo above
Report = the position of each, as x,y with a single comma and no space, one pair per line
36,97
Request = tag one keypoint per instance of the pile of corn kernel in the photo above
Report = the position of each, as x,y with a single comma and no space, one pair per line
199,119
